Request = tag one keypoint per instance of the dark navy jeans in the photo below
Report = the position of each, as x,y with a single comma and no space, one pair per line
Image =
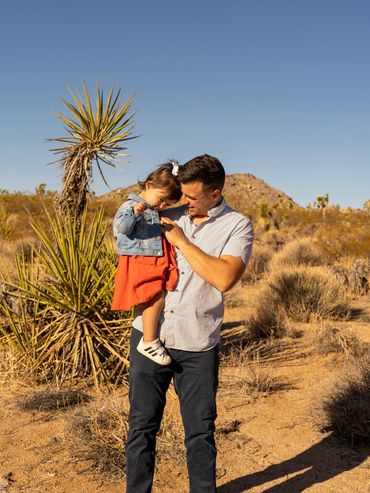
195,377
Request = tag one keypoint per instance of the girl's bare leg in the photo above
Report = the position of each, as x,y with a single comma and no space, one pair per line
150,346
150,317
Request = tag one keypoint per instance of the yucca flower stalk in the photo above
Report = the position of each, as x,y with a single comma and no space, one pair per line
96,135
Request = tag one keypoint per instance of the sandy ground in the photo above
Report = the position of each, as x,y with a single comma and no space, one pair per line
278,447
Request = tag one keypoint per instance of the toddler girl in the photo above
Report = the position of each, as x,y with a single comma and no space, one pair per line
147,264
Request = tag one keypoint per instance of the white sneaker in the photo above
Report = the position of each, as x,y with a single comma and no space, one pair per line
155,351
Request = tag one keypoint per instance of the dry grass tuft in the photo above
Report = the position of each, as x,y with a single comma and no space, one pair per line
338,340
98,433
264,351
53,400
346,412
308,294
228,427
170,439
297,253
262,381
267,319
258,264
256,381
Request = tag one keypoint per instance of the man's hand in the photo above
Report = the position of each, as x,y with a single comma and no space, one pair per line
221,272
173,232
140,208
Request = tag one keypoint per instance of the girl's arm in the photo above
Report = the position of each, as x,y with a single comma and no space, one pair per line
127,217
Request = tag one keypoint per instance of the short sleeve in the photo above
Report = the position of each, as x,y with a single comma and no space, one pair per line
240,241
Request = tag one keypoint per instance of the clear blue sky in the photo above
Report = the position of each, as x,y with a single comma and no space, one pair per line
276,88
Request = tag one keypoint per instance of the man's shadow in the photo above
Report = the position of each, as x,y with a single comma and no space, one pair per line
318,463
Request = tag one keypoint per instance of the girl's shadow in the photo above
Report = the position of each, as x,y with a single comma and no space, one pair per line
316,463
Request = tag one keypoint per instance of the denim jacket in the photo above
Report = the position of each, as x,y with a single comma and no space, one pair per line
137,234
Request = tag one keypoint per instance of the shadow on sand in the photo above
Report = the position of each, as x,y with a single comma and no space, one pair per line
317,464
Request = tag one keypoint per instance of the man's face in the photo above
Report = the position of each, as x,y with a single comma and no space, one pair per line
198,200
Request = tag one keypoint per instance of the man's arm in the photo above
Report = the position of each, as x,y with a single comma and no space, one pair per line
221,272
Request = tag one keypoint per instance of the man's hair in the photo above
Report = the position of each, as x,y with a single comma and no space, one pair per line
206,169
163,177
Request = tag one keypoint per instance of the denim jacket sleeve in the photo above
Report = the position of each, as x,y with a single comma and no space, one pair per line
125,219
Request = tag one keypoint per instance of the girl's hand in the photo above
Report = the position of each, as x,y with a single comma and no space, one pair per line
140,208
173,232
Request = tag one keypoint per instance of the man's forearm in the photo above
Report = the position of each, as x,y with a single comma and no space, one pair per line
222,273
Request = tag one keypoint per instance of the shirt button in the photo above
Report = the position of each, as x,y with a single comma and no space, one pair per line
171,311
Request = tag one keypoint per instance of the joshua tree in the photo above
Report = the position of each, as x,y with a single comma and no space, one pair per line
95,135
322,203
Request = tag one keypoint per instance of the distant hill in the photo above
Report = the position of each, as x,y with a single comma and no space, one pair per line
242,191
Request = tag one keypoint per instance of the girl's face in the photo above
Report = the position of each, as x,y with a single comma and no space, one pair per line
157,197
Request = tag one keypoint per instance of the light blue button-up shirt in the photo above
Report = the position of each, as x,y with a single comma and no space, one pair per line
193,314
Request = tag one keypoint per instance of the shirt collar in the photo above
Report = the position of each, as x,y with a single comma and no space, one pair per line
218,209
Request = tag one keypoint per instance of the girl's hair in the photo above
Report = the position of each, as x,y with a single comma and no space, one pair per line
163,177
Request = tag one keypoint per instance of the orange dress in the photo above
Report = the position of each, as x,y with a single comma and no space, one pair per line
139,278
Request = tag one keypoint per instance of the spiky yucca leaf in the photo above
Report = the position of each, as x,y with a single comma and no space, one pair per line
62,325
95,135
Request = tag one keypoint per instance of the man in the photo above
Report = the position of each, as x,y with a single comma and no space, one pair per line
213,245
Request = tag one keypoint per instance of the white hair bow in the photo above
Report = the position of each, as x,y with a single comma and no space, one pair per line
175,168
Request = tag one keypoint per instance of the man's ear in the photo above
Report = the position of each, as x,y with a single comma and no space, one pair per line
216,194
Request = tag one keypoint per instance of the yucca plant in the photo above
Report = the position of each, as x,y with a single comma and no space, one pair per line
95,136
59,323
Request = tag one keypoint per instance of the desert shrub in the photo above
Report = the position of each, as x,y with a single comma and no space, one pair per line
345,235
6,229
337,340
267,317
308,293
257,265
359,276
346,412
301,294
356,277
297,253
274,239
